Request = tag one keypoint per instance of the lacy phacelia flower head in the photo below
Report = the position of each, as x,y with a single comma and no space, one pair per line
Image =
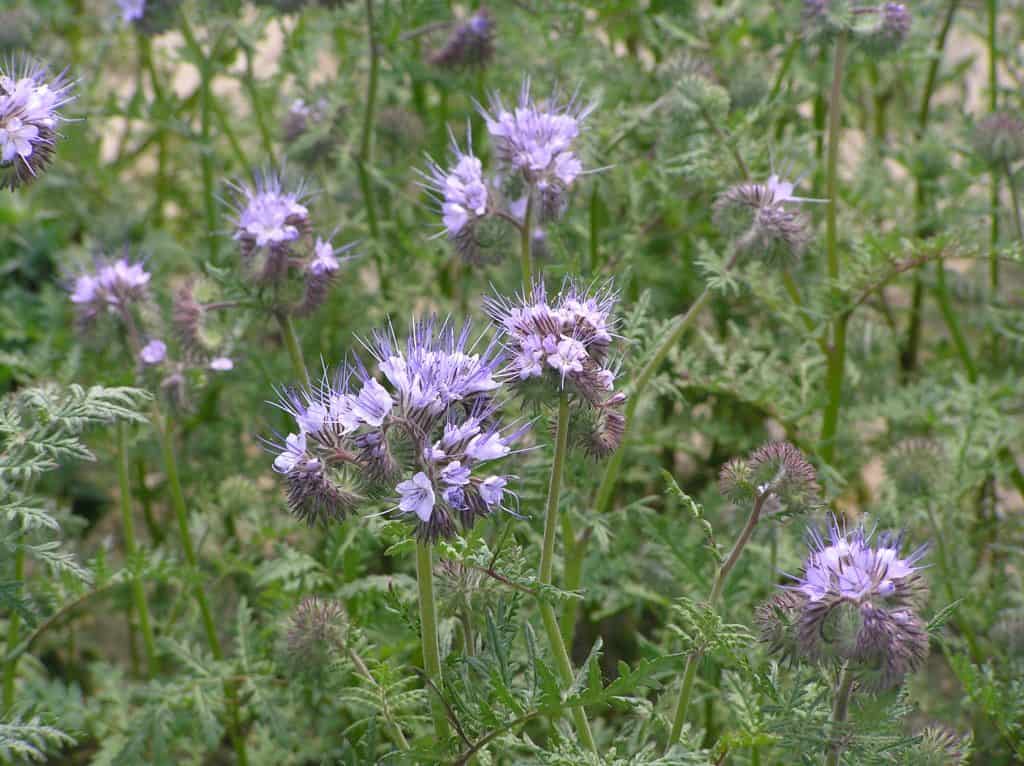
461,191
424,432
29,117
269,221
471,43
889,30
113,285
760,217
537,140
778,474
856,601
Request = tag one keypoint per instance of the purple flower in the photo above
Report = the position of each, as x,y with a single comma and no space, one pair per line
269,219
537,141
113,285
293,455
153,352
417,496
492,489
131,10
567,335
29,117
455,474
325,260
462,193
222,364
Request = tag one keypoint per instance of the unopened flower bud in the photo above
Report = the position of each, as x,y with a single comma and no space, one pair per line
999,138
470,45
317,631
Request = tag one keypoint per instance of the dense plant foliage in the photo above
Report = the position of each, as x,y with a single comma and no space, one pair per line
406,381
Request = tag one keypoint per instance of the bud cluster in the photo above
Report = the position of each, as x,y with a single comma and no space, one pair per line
29,115
778,474
428,428
470,44
857,602
998,139
760,217
880,28
535,142
562,343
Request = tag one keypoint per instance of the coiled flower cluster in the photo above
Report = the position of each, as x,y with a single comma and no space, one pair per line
536,145
562,343
470,45
880,28
30,106
426,432
857,601
761,219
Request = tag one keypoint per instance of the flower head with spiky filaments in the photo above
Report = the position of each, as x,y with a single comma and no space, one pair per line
425,430
112,285
462,193
269,219
537,140
856,601
29,116
561,342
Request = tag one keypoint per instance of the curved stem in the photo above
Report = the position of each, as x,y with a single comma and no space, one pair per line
840,707
526,244
837,355
949,315
428,635
544,575
690,671
130,548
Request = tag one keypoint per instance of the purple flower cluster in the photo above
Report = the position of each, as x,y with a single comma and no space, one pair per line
762,220
471,43
536,144
113,285
273,229
562,343
856,601
29,115
427,428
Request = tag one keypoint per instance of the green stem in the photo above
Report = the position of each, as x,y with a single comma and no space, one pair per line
130,548
993,103
1011,182
152,527
256,101
13,630
545,571
840,708
574,555
428,636
206,143
165,426
291,342
837,356
690,671
949,315
526,244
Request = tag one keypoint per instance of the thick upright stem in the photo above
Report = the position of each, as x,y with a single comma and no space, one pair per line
526,244
840,708
837,350
428,636
544,575
365,158
690,671
993,103
291,342
130,548
165,426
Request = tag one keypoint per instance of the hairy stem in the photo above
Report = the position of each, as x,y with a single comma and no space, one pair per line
837,350
690,671
165,426
130,548
428,635
840,707
544,575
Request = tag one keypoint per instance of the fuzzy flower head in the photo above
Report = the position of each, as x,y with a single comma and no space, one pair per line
423,432
111,286
462,193
777,475
998,138
761,219
29,117
269,222
470,45
317,631
537,140
562,342
856,601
